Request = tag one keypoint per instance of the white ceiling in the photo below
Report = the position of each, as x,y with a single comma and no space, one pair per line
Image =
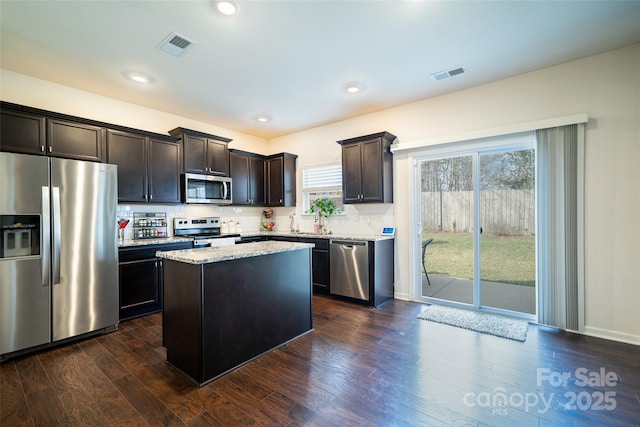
292,59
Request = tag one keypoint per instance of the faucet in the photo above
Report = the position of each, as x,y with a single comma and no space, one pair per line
291,226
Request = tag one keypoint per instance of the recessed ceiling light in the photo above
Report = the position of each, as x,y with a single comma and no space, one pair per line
263,118
227,7
353,87
138,77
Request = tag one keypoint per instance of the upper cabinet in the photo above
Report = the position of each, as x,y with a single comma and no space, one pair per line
74,140
247,171
31,131
203,153
149,166
367,169
22,132
263,180
280,170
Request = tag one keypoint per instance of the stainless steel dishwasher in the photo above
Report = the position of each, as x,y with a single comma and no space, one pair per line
349,262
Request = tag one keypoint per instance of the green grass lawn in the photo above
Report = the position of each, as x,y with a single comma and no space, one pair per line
504,259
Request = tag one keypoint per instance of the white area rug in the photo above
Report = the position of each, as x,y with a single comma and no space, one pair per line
487,323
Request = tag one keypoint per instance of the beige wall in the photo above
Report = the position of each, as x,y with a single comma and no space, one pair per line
25,90
605,86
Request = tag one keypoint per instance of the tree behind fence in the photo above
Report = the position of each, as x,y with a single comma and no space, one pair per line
502,212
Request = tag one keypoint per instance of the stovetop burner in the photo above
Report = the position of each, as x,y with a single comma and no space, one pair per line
199,229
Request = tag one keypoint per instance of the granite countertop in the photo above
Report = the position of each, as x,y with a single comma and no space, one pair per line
146,242
309,235
227,253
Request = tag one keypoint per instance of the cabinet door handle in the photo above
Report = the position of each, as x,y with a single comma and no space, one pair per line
50,149
150,196
42,148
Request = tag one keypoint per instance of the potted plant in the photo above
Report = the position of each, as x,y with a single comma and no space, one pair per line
323,208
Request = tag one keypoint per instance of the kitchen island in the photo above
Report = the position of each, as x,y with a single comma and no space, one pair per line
226,306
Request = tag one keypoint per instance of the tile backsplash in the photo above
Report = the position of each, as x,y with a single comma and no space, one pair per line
356,219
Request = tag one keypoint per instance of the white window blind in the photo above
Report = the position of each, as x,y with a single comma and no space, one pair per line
322,181
322,178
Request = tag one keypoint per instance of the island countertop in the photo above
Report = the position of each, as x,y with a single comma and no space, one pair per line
226,253
309,235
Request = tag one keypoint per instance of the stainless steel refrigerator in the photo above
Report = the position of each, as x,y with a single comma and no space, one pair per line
58,251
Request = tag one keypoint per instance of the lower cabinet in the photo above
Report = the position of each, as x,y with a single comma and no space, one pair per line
379,266
140,278
319,261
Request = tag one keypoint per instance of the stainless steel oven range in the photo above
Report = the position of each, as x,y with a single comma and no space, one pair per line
204,231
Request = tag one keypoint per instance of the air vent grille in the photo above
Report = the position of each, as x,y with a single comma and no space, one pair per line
446,74
175,44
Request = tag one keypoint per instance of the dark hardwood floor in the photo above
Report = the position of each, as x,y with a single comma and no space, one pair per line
360,366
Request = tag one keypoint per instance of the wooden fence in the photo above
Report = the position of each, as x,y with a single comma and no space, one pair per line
503,212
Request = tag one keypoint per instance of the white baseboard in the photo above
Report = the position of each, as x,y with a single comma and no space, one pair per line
402,296
612,335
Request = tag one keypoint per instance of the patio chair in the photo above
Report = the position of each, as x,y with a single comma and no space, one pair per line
424,252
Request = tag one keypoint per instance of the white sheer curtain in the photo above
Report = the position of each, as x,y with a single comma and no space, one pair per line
559,152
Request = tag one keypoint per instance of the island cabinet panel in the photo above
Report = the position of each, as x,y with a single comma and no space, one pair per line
319,261
220,315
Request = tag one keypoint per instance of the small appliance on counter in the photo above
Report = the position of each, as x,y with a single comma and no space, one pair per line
205,232
149,225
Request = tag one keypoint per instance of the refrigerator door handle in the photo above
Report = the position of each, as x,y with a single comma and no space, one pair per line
45,260
55,192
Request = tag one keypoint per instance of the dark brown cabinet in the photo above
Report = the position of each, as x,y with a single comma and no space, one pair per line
140,278
22,132
281,179
247,171
367,169
129,152
319,261
74,140
203,153
31,131
164,170
263,180
148,167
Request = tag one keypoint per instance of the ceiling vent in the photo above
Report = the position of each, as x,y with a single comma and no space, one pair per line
446,74
175,44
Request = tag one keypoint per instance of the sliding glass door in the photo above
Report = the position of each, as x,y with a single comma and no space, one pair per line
447,212
507,238
477,218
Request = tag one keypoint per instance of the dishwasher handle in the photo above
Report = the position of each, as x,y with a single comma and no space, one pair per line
346,243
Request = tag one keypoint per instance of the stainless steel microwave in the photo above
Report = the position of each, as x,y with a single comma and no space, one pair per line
211,189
